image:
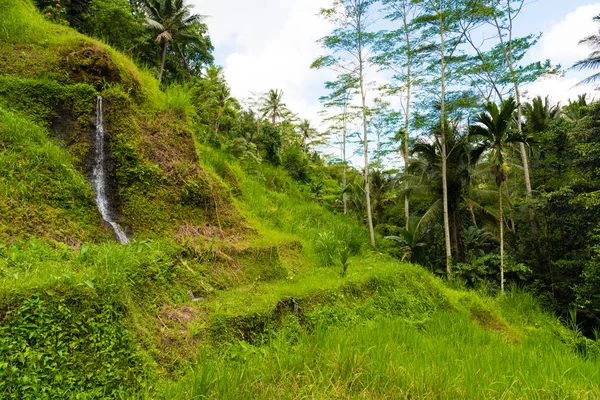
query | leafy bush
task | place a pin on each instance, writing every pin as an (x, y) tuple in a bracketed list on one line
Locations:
[(270, 144), (296, 163), (487, 269), (57, 344)]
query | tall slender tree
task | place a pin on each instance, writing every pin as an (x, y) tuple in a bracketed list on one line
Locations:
[(502, 17), (441, 19), (494, 127), (349, 45), (342, 91), (384, 123), (397, 52)]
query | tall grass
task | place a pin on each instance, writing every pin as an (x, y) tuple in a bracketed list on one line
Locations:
[(22, 22), (178, 99), (273, 200), (451, 358)]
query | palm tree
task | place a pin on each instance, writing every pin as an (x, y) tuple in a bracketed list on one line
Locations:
[(593, 60), (225, 104), (307, 132), (412, 239), (540, 114), (272, 105), (576, 111), (382, 184), (495, 128), (425, 166), (174, 22)]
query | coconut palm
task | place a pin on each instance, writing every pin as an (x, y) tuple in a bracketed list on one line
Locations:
[(593, 60), (577, 111), (174, 22), (540, 114), (225, 104), (307, 132), (425, 173), (272, 105), (494, 127)]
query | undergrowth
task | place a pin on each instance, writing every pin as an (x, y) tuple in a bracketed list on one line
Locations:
[(450, 357)]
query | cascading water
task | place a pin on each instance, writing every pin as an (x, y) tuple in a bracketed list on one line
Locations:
[(99, 180)]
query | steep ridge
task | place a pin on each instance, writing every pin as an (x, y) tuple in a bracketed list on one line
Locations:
[(153, 170), (223, 291)]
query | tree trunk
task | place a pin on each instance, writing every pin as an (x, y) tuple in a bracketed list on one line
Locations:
[(407, 115), (344, 197), (509, 60), (444, 156), (185, 63), (365, 141), (366, 151), (511, 216), (470, 205), (162, 63), (501, 240), (525, 161)]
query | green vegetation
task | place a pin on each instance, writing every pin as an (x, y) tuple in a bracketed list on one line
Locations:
[(387, 357), (43, 193), (259, 267)]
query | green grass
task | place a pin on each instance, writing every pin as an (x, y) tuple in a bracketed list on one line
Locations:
[(388, 330), (22, 23), (74, 321), (272, 202), (41, 192), (449, 358)]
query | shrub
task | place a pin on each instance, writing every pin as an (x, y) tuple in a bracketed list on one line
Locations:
[(327, 247), (296, 163)]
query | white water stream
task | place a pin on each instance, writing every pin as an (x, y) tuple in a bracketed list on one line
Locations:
[(99, 179)]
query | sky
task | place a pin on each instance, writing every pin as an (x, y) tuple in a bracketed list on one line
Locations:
[(270, 44)]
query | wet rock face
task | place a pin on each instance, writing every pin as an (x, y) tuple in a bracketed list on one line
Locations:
[(92, 65)]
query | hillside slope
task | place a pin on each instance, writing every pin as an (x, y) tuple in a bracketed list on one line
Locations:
[(158, 183), (231, 287)]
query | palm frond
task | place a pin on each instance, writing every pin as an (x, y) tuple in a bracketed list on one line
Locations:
[(152, 24)]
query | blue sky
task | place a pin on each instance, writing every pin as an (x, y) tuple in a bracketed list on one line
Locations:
[(542, 14), (265, 44)]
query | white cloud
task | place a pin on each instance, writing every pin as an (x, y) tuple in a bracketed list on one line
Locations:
[(270, 45), (560, 43), (559, 89)]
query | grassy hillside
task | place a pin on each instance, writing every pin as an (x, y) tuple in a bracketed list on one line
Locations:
[(231, 287)]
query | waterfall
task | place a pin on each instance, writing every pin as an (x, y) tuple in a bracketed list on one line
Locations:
[(99, 179)]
